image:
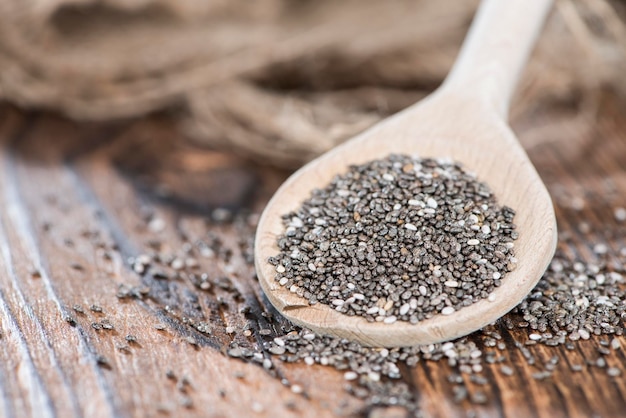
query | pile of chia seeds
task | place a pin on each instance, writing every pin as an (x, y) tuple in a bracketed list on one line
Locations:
[(400, 238)]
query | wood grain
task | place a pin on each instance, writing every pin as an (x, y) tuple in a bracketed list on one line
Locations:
[(76, 202)]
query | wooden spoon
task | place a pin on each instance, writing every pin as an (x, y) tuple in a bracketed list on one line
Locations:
[(465, 119)]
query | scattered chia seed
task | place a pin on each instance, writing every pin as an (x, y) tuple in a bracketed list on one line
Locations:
[(124, 348), (576, 304), (102, 361), (186, 402), (69, 319), (620, 214), (613, 371), (399, 238), (95, 308), (576, 367), (459, 393), (576, 300), (478, 397), (506, 370)]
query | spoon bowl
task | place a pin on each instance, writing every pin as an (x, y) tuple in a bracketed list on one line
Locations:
[(467, 125)]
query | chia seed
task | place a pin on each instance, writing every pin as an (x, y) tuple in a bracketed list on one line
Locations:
[(411, 237), (578, 305)]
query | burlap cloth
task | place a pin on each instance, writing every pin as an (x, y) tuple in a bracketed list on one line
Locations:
[(280, 80)]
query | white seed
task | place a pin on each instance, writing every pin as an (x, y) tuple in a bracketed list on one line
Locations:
[(372, 311), (615, 344), (296, 222), (535, 337), (430, 202), (613, 371), (447, 346), (283, 281), (373, 376), (448, 310), (451, 283), (497, 275), (491, 297), (475, 353), (451, 353), (350, 375), (485, 229), (410, 227), (388, 177), (156, 225), (338, 302), (280, 268), (309, 361), (473, 241), (390, 320), (257, 407), (413, 202), (144, 259), (600, 249), (297, 389), (312, 267), (404, 309), (279, 341)]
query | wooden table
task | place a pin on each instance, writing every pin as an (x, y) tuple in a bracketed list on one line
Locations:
[(79, 200)]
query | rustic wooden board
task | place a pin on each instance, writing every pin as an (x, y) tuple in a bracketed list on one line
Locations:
[(77, 201)]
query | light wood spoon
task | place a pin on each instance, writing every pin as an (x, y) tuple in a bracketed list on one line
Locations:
[(466, 120)]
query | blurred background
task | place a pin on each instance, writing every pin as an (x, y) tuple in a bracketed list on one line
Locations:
[(283, 80)]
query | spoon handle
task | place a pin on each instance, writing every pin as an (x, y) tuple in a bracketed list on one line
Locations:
[(495, 50)]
